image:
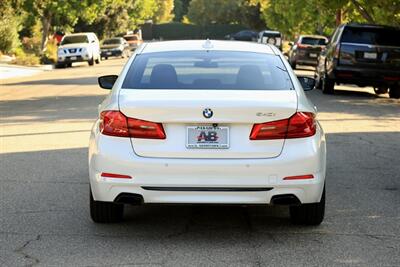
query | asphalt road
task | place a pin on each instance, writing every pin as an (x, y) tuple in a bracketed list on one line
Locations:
[(44, 213)]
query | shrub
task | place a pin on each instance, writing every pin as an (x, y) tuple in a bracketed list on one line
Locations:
[(22, 58), (8, 30), (50, 55)]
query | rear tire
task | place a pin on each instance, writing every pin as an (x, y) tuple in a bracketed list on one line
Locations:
[(60, 65), (380, 90), (309, 214), (105, 212), (318, 83), (91, 61), (328, 86), (98, 60), (293, 64), (394, 92)]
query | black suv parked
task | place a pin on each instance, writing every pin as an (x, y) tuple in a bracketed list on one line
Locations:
[(364, 55)]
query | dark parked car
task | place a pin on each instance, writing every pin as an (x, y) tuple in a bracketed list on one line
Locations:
[(245, 35), (115, 47), (306, 50), (364, 55), (270, 37)]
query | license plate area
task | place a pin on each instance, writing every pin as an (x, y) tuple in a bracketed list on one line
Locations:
[(73, 58), (313, 55), (207, 137), (368, 55)]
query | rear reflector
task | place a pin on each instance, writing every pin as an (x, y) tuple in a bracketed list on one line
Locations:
[(301, 124), (388, 78), (299, 177), (114, 175), (115, 123), (344, 75)]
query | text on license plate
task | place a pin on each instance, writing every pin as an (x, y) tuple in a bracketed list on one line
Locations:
[(207, 137), (370, 55)]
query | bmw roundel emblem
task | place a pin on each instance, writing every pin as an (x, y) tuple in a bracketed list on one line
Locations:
[(208, 113)]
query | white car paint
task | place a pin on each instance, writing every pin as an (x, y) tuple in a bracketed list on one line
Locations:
[(246, 164)]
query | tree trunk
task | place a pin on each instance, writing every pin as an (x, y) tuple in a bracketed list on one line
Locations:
[(338, 17), (363, 12), (46, 23)]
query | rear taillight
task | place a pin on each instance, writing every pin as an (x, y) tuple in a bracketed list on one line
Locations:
[(389, 78), (269, 130), (145, 129), (336, 53), (115, 123), (301, 124), (299, 45)]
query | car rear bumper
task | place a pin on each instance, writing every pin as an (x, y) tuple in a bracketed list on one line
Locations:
[(303, 58), (365, 77), (216, 181), (115, 53), (71, 59)]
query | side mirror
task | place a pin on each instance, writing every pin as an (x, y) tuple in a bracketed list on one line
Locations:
[(107, 82), (306, 82)]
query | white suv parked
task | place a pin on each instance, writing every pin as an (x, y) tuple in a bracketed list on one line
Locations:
[(78, 47)]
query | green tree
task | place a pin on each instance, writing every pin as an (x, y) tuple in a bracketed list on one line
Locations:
[(322, 16), (245, 12), (9, 25), (63, 13), (163, 11), (180, 9)]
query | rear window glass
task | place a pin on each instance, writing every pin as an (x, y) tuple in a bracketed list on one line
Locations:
[(375, 36), (268, 34), (207, 70), (112, 41), (75, 39), (312, 41), (131, 38)]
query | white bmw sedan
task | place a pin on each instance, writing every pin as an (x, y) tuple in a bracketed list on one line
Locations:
[(216, 122)]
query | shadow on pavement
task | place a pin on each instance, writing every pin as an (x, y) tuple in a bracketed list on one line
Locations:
[(355, 102), (54, 108), (64, 81)]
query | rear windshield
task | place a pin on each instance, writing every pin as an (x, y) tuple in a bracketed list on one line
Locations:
[(112, 41), (269, 34), (131, 38), (75, 39), (313, 41), (375, 36), (207, 70)]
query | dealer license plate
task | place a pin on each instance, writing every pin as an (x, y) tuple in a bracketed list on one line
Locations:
[(207, 137), (369, 55)]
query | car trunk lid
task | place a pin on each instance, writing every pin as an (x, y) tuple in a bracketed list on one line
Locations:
[(181, 110)]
